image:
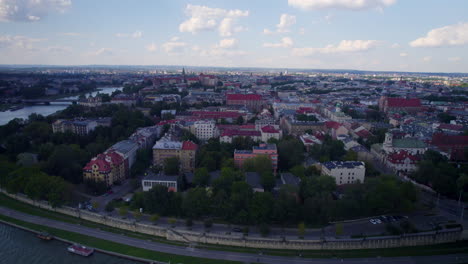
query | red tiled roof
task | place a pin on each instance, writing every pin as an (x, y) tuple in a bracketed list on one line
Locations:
[(269, 129), (363, 133), (240, 133), (402, 102), (399, 157), (440, 139), (216, 115), (332, 124), (189, 145), (115, 157), (247, 97), (451, 127), (100, 161)]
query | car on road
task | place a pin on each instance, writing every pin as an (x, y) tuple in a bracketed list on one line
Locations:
[(373, 221)]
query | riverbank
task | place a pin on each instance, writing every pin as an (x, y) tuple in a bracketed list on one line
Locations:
[(442, 249)]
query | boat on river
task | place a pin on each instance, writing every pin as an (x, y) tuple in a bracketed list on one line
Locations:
[(80, 250)]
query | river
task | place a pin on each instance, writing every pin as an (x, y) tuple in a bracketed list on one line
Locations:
[(19, 246), (46, 110)]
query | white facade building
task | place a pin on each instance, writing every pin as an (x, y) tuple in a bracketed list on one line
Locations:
[(205, 129), (345, 172)]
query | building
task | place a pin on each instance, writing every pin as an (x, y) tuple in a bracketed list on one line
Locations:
[(411, 145), (91, 101), (345, 172), (128, 149), (269, 132), (393, 104), (125, 99), (291, 126), (205, 129), (78, 126), (402, 161), (167, 148), (229, 134), (159, 179), (253, 179), (455, 146), (240, 156), (108, 167), (253, 102), (335, 114)]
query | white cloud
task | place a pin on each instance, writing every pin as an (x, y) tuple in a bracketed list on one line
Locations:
[(135, 35), (19, 42), (70, 34), (403, 54), (427, 59), (340, 4), (59, 49), (395, 46), (174, 46), (103, 52), (302, 31), (203, 18), (266, 31), (286, 21), (218, 52), (30, 10), (345, 46), (286, 42), (452, 35), (228, 43), (151, 47), (454, 59)]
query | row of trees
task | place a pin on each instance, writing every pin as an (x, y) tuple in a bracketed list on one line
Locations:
[(65, 154), (231, 199), (36, 184), (435, 170)]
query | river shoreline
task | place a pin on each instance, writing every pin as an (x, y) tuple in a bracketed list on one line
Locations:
[(111, 253)]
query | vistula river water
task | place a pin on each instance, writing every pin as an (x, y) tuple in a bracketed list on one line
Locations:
[(21, 247), (46, 110)]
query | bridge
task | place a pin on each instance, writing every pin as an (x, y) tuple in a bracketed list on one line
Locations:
[(48, 101)]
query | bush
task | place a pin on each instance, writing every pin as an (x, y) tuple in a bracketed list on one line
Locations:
[(393, 230), (154, 218), (208, 223), (245, 230), (172, 221), (264, 230), (109, 207)]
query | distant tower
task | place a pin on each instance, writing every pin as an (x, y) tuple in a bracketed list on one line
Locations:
[(388, 143), (183, 75)]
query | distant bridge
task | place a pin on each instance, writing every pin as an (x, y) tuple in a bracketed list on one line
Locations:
[(48, 101)]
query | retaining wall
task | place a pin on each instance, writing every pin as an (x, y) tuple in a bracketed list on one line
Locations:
[(419, 239)]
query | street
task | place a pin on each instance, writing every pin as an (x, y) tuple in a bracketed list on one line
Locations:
[(222, 255)]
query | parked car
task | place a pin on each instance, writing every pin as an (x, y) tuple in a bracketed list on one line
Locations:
[(373, 221), (236, 229)]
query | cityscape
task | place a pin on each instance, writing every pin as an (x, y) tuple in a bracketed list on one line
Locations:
[(228, 132)]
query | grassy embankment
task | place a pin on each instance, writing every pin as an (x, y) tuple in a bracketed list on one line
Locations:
[(443, 249)]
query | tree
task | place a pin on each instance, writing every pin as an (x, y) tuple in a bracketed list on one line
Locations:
[(261, 207), (260, 164), (201, 177), (291, 153), (240, 120), (171, 166), (351, 156), (67, 161), (195, 203), (137, 214), (123, 211), (154, 218), (172, 222), (268, 181), (301, 229)]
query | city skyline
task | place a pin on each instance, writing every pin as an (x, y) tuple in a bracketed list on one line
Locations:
[(383, 35)]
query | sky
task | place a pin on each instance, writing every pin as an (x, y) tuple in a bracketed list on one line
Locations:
[(381, 35)]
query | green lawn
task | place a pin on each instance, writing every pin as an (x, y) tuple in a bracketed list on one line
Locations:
[(112, 246)]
